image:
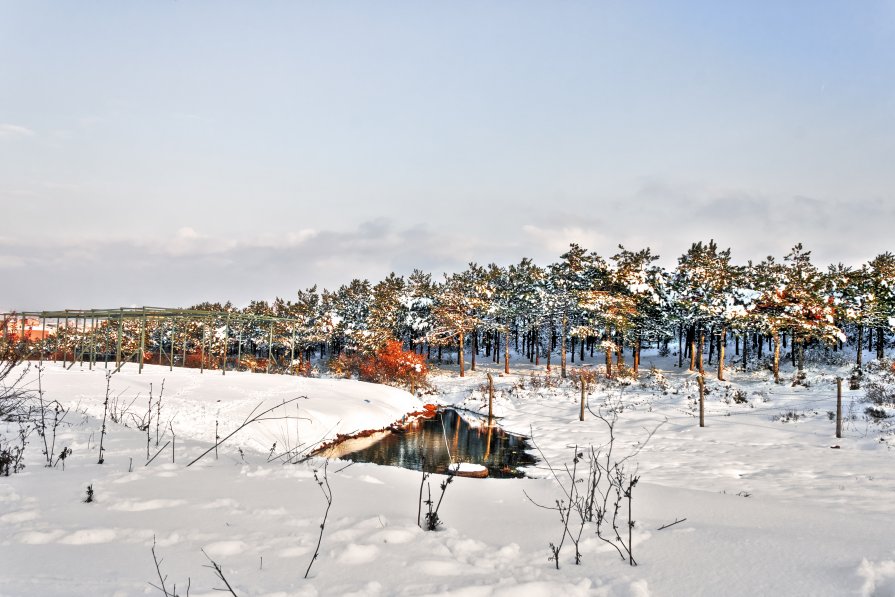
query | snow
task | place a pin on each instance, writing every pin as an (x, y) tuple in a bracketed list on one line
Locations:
[(770, 506), (466, 467)]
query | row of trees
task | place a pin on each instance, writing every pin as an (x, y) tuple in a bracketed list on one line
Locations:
[(582, 302)]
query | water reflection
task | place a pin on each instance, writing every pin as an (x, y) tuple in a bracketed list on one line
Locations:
[(428, 440)]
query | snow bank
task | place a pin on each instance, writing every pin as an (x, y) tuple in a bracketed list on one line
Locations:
[(192, 402)]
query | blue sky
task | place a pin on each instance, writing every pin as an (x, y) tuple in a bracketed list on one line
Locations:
[(170, 152)]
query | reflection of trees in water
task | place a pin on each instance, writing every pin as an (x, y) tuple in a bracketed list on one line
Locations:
[(485, 445)]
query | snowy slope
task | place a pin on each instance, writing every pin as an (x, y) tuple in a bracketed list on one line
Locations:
[(770, 507)]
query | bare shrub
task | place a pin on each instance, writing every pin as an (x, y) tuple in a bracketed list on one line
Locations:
[(596, 490)]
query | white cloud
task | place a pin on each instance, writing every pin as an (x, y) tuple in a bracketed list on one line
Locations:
[(11, 262), (14, 130), (556, 239)]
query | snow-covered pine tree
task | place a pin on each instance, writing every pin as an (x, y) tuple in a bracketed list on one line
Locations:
[(387, 311), (882, 285), (455, 309), (704, 280), (418, 298), (637, 277)]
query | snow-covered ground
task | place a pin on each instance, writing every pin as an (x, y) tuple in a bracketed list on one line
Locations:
[(770, 506)]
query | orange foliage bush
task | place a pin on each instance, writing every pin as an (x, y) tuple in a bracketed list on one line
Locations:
[(390, 365)]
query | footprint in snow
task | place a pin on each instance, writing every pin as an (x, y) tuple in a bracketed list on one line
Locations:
[(19, 516), (220, 503), (442, 568), (226, 548), (39, 537), (370, 479), (358, 554), (90, 537), (293, 552), (142, 506), (396, 536)]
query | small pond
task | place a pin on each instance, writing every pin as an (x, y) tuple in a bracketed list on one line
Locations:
[(424, 442)]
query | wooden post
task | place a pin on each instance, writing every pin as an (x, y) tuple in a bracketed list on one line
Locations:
[(120, 331), (92, 340), (838, 407), (583, 387), (226, 346), (43, 339), (269, 347), (209, 349), (173, 335), (292, 352), (142, 340), (490, 400), (202, 348), (65, 348), (239, 347), (82, 339), (106, 344), (701, 400)]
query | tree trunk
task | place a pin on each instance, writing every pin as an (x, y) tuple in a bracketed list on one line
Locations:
[(745, 351), (860, 345), (637, 354), (880, 343), (691, 338), (619, 351), (537, 347), (792, 354), (562, 350), (776, 357), (699, 349), (711, 344), (460, 357), (608, 362), (475, 348), (680, 346), (506, 353), (800, 345), (722, 345)]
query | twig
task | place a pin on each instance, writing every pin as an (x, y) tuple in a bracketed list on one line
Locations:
[(157, 453), (665, 526), (251, 418), (328, 496), (220, 574)]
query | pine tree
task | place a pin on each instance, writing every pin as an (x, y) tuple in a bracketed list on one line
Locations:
[(704, 280), (882, 286)]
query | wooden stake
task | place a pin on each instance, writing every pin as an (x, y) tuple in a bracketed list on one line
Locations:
[(583, 386), (120, 331), (701, 400), (490, 399), (269, 348), (838, 407), (142, 340)]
